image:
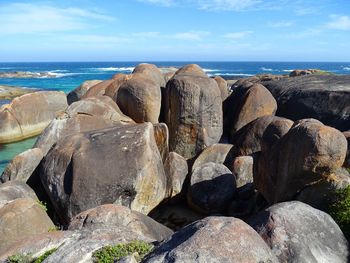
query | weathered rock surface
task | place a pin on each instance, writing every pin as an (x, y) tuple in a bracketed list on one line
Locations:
[(150, 71), (120, 165), (161, 135), (80, 91), (114, 216), (216, 153), (242, 169), (296, 232), (112, 90), (303, 72), (323, 97), (246, 103), (13, 190), (11, 92), (213, 239), (22, 166), (140, 99), (249, 139), (176, 170), (28, 115), (98, 89), (223, 87), (212, 188), (193, 111), (20, 219), (302, 157), (347, 159), (82, 116)]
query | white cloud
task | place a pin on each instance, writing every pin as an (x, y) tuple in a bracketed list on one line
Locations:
[(23, 18), (339, 22), (159, 2), (191, 35), (235, 5), (237, 35)]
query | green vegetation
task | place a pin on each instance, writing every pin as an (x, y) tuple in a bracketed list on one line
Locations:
[(340, 210), (42, 204), (54, 229), (45, 255), (114, 253), (22, 258)]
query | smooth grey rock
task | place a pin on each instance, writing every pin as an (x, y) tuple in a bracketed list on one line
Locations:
[(13, 190)]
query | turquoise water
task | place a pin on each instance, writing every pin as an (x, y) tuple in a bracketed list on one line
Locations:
[(8, 151), (69, 75)]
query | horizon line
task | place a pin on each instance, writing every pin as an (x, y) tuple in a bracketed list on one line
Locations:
[(185, 61)]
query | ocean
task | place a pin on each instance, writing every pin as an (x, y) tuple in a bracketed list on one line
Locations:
[(69, 75)]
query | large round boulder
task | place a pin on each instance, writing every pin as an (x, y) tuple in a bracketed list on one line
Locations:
[(223, 87), (212, 188), (176, 170), (120, 165), (193, 111), (98, 90), (296, 232), (115, 216), (150, 71), (245, 104), (305, 155), (213, 239), (322, 97), (20, 219), (80, 91), (13, 190), (28, 115), (140, 98)]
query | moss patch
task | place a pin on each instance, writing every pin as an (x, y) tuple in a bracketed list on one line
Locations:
[(114, 253), (22, 258)]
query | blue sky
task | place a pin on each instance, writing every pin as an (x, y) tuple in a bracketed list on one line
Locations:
[(182, 30)]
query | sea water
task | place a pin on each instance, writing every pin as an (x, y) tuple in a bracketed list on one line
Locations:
[(69, 75)]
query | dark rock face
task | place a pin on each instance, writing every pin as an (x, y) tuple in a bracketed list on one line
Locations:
[(80, 91), (13, 190), (323, 97), (249, 139), (246, 103), (212, 188), (307, 153), (193, 111), (114, 216), (140, 98), (213, 239), (347, 159), (22, 166), (296, 232), (20, 219), (120, 165), (20, 120)]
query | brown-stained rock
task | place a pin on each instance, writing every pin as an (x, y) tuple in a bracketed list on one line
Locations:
[(28, 115), (242, 169), (80, 91), (193, 111), (120, 165), (223, 87), (213, 239), (212, 188), (176, 170), (140, 99), (112, 90), (22, 166), (216, 153), (21, 218), (304, 156), (151, 72), (12, 190), (161, 135), (245, 104), (112, 216), (98, 89), (249, 139), (296, 232)]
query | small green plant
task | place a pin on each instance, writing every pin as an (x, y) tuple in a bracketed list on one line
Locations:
[(45, 255), (19, 258), (112, 254), (54, 229), (42, 204), (340, 210)]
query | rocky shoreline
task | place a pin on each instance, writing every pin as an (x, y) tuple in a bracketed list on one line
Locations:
[(199, 169), (11, 92), (27, 74)]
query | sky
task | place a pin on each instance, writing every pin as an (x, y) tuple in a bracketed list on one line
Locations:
[(175, 30)]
